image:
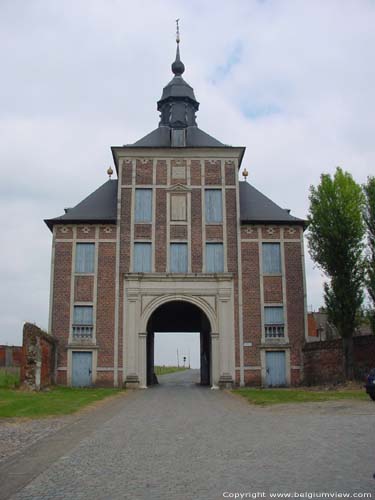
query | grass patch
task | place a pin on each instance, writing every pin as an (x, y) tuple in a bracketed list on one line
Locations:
[(162, 370), (285, 396), (57, 401), (9, 378)]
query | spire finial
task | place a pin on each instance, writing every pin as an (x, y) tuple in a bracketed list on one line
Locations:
[(177, 31), (178, 66), (245, 173), (110, 172)]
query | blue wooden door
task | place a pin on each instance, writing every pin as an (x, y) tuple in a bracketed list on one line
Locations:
[(82, 369), (275, 368)]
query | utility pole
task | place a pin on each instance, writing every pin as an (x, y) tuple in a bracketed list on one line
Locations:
[(178, 360)]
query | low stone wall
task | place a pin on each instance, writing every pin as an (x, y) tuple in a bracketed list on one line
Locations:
[(39, 351), (324, 361)]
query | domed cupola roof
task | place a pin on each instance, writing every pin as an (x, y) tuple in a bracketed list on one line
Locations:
[(178, 104)]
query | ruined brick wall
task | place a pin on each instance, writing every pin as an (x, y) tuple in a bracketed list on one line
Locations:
[(39, 355), (324, 361)]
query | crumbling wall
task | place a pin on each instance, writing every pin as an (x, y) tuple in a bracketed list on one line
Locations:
[(39, 353)]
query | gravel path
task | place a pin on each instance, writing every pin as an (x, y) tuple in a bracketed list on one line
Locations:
[(18, 434), (181, 441)]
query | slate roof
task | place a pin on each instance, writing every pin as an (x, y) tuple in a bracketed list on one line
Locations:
[(101, 205), (161, 138), (256, 207)]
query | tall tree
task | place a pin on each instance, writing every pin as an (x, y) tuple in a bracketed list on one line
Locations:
[(336, 241), (369, 216)]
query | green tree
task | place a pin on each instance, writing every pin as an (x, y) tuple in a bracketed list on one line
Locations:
[(336, 242), (369, 216)]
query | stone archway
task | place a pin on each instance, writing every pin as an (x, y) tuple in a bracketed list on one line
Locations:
[(211, 294), (180, 316)]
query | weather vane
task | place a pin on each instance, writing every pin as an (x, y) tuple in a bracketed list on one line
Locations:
[(177, 31)]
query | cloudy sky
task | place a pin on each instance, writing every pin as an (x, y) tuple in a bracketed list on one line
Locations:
[(293, 81)]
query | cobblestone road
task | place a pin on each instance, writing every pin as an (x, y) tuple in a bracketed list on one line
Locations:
[(182, 441)]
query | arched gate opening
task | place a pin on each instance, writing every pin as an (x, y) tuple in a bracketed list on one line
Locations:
[(180, 316)]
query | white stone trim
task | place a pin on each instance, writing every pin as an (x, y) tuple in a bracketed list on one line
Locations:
[(261, 284), (249, 368), (95, 287), (132, 218), (239, 280), (52, 280), (142, 361), (153, 228), (88, 240), (304, 288), (203, 214), (224, 216), (168, 231), (117, 281), (188, 217), (213, 154), (172, 187), (283, 281), (72, 284)]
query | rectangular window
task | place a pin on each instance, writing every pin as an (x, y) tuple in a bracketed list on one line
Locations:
[(142, 258), (214, 208), (214, 258), (271, 258), (85, 257), (274, 322), (83, 322), (143, 205), (178, 258)]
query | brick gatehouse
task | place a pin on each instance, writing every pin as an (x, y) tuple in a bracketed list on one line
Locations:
[(178, 243)]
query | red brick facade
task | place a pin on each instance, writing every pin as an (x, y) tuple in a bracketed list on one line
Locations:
[(104, 291)]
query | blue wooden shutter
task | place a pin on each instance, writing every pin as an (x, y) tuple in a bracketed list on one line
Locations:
[(142, 258), (143, 205), (85, 257), (83, 315), (271, 258), (214, 209), (214, 258), (273, 316), (178, 258)]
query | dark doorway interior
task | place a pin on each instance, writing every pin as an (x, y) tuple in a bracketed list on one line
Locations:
[(179, 316)]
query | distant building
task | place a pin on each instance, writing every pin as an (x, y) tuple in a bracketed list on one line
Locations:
[(177, 243), (319, 328)]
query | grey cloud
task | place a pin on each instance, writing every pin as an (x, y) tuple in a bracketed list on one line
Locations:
[(78, 77)]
